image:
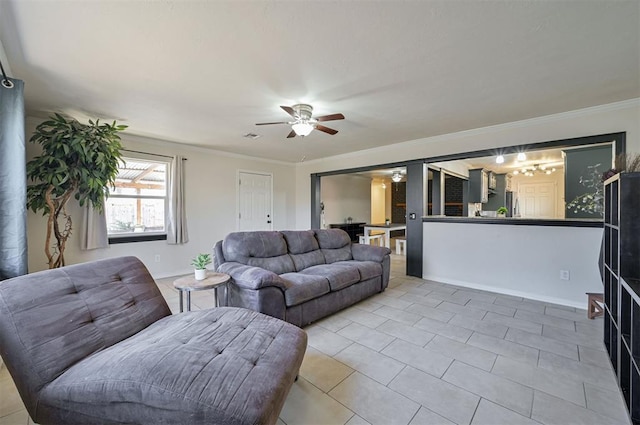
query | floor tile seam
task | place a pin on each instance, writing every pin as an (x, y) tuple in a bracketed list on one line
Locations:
[(403, 310), (18, 408), (501, 314), (331, 330), (415, 367), (617, 391), (474, 330), (607, 367), (554, 328), (515, 328), (377, 352), (332, 398), (540, 321), (573, 381), (341, 381), (577, 405), (512, 342), (397, 337), (333, 356), (493, 401), (571, 374), (564, 318), (539, 348), (472, 317), (476, 408)]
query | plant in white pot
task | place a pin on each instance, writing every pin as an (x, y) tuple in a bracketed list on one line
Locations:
[(502, 212), (200, 264)]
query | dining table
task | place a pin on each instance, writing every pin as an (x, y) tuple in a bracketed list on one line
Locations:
[(386, 228)]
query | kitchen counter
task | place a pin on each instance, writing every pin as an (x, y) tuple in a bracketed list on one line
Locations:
[(514, 221)]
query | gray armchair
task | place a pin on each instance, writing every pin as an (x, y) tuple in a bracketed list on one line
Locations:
[(96, 343)]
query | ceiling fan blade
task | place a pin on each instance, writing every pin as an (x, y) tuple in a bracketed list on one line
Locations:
[(289, 110), (327, 130), (270, 123), (331, 117), (292, 134)]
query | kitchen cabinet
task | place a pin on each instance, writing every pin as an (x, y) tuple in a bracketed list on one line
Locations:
[(498, 198), (621, 279), (478, 185)]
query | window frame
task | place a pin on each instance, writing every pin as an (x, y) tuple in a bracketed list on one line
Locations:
[(130, 237)]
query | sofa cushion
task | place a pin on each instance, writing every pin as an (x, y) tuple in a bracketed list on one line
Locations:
[(335, 245), (367, 269), (301, 287), (339, 275), (264, 249), (303, 248), (220, 365)]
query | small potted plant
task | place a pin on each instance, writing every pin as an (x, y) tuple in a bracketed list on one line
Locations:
[(502, 212), (387, 221), (200, 265)]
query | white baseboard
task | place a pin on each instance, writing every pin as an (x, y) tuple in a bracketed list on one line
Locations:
[(529, 295)]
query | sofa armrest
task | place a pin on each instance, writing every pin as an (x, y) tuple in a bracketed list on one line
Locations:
[(250, 277), (361, 252)]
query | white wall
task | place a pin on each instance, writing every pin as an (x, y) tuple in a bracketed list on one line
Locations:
[(611, 118), (211, 207), (345, 196), (518, 260)]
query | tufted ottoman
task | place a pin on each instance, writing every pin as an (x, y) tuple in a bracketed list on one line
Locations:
[(96, 343)]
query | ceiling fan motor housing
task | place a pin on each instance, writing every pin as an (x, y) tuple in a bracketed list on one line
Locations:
[(303, 111)]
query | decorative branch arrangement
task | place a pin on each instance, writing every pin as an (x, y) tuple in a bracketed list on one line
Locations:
[(77, 160)]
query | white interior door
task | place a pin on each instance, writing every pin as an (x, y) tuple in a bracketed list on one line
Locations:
[(537, 200), (254, 201)]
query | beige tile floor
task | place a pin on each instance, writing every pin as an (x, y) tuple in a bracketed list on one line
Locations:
[(429, 353)]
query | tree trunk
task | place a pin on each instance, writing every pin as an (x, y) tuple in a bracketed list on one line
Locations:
[(56, 207)]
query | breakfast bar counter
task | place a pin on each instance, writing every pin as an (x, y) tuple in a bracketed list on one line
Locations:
[(517, 221)]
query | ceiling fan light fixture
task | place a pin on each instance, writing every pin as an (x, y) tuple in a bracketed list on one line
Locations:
[(302, 128)]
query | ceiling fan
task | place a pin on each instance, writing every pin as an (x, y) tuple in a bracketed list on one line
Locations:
[(303, 123)]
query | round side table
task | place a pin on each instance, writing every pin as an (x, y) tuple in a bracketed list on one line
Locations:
[(212, 281)]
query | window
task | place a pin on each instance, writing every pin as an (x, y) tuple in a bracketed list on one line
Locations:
[(135, 209)]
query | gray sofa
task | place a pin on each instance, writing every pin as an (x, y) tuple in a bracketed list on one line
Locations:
[(95, 343), (300, 275)]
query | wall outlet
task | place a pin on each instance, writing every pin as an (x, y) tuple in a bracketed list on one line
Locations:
[(564, 275), (156, 258)]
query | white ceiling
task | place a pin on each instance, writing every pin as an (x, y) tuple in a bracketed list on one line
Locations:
[(203, 72)]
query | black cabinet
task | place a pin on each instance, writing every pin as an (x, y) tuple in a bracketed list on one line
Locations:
[(621, 279), (498, 198), (478, 186), (353, 229)]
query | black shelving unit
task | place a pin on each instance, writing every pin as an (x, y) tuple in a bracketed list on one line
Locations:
[(353, 229), (621, 279)]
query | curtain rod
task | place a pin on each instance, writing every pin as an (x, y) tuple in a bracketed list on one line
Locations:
[(148, 153), (5, 81)]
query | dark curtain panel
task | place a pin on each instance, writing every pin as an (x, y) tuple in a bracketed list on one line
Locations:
[(13, 182)]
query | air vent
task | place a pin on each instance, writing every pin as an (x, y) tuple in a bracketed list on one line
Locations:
[(251, 135)]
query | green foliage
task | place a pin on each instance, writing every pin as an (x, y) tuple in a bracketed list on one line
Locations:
[(502, 210), (201, 261), (79, 158)]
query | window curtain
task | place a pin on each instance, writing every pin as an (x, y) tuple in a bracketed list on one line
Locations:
[(177, 226), (13, 178), (93, 232)]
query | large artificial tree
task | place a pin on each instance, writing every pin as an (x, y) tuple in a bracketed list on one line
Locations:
[(79, 160)]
